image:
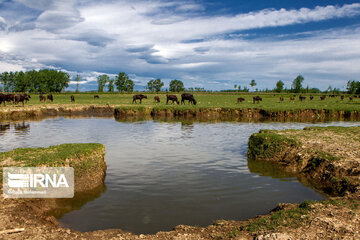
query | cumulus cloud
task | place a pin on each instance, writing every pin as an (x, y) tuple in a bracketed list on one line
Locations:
[(169, 40)]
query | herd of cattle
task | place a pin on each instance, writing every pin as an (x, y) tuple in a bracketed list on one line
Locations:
[(24, 98)]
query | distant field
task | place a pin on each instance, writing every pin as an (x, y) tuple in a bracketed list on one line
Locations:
[(209, 100)]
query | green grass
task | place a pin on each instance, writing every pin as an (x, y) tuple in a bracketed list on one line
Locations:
[(210, 100), (80, 156)]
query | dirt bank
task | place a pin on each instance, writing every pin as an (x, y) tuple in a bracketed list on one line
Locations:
[(182, 112)]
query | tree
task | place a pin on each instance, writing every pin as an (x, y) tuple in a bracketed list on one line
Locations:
[(353, 87), (102, 80), (111, 85), (176, 86), (77, 80), (252, 83), (279, 86), (155, 85), (235, 87), (124, 83), (297, 84)]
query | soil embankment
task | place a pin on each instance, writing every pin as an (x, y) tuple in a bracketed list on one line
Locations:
[(174, 112)]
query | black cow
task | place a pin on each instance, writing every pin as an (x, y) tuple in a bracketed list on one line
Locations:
[(322, 98), (172, 98), (42, 98), (189, 97), (96, 96), (10, 98), (240, 100), (22, 98), (72, 98), (311, 97), (139, 96), (50, 97), (342, 97), (301, 98), (2, 98), (157, 99), (257, 99)]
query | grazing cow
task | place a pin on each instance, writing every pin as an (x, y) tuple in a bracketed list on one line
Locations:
[(281, 99), (301, 98), (96, 96), (139, 96), (240, 100), (2, 98), (22, 98), (189, 97), (257, 99), (311, 97), (322, 98), (42, 98), (292, 98), (172, 98), (157, 99), (50, 97), (10, 98), (342, 97), (72, 97), (350, 98)]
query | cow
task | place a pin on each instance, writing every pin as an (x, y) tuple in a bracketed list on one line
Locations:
[(72, 97), (42, 98), (22, 98), (342, 97), (281, 99), (10, 98), (311, 97), (50, 97), (350, 98), (292, 98), (139, 96), (96, 96), (257, 99), (172, 98), (189, 97), (157, 99), (240, 100), (301, 98), (322, 98), (2, 98)]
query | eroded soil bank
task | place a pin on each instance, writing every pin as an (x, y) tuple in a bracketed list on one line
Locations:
[(336, 217), (199, 113)]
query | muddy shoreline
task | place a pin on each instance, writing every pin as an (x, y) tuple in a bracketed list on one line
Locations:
[(206, 114)]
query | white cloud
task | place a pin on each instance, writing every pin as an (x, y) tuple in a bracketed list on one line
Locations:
[(161, 38)]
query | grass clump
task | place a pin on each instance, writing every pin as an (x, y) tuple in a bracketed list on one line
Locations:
[(266, 144)]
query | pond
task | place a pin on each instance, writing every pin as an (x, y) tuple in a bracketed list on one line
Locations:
[(162, 174)]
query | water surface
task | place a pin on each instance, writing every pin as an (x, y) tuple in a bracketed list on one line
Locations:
[(162, 174)]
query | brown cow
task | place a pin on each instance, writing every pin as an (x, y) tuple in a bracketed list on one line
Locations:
[(281, 99), (292, 98), (42, 98), (240, 100), (322, 98), (301, 98), (50, 98), (72, 97), (96, 96), (342, 97), (257, 99), (157, 99), (22, 98), (311, 97), (172, 98), (138, 97)]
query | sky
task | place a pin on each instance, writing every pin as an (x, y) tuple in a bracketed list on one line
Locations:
[(208, 44)]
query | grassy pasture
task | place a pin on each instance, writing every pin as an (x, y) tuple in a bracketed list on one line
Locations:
[(208, 100)]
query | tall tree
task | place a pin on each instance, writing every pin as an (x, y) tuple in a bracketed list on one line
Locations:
[(102, 80), (77, 80), (111, 85), (176, 86), (279, 86), (155, 85), (253, 83), (297, 84), (124, 83)]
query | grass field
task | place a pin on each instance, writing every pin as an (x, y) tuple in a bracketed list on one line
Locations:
[(209, 100)]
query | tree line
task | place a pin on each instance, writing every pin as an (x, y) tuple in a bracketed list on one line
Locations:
[(46, 80)]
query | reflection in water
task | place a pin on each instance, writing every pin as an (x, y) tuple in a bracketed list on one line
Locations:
[(22, 128), (162, 174), (4, 128)]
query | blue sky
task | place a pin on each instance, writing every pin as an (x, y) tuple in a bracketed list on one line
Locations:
[(205, 43)]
